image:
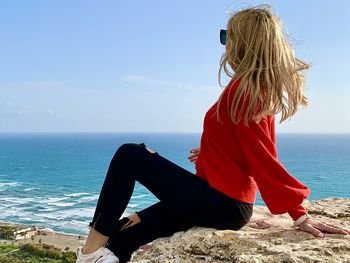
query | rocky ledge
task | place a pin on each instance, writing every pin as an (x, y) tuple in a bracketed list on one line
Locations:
[(266, 238)]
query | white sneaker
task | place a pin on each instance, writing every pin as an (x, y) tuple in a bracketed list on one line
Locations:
[(101, 255)]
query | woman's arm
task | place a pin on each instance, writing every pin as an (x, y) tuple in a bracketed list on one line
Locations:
[(280, 191)]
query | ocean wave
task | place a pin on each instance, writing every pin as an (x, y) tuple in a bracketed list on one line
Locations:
[(70, 219), (88, 198), (2, 184), (10, 201), (69, 214), (31, 188), (55, 199), (33, 201), (133, 205), (139, 196), (62, 204), (76, 194), (48, 209)]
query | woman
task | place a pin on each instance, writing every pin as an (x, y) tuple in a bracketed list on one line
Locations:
[(237, 154)]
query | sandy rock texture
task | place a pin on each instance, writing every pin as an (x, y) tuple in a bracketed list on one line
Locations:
[(266, 238)]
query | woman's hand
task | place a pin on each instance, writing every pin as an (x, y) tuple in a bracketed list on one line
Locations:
[(193, 155), (317, 228)]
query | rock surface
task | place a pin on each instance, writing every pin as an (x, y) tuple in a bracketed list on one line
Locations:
[(266, 238)]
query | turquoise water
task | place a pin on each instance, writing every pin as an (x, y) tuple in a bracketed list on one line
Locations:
[(53, 180)]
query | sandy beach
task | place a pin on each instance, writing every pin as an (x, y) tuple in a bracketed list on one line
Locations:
[(48, 236)]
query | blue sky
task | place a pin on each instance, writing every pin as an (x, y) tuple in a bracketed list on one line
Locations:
[(145, 66)]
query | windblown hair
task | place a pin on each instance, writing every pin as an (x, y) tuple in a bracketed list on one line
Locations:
[(262, 59)]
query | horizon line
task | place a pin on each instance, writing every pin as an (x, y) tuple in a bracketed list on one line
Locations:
[(134, 132)]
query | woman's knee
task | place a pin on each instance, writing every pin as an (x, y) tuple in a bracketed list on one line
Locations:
[(127, 149)]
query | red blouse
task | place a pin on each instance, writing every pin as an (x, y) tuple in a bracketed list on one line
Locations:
[(239, 161)]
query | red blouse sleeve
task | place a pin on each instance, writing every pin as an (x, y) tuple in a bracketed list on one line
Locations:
[(280, 191)]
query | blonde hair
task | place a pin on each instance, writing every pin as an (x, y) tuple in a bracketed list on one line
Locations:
[(264, 62)]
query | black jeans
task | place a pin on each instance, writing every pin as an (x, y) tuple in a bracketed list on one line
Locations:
[(186, 200)]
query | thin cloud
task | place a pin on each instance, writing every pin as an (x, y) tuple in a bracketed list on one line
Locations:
[(7, 104), (142, 80), (47, 86), (50, 111)]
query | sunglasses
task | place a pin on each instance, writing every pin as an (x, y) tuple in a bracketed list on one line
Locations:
[(223, 36)]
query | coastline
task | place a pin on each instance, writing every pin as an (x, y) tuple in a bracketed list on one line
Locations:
[(48, 236), (334, 210)]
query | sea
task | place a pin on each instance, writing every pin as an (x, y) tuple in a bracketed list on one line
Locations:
[(53, 180)]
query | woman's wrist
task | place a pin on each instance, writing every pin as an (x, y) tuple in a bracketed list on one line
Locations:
[(297, 212), (301, 219)]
